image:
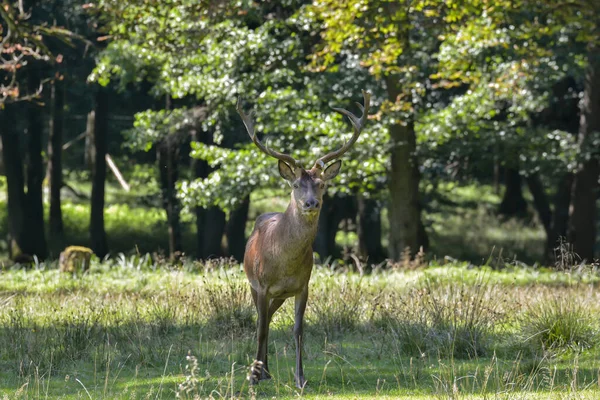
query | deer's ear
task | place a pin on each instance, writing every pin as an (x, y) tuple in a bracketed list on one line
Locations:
[(332, 170), (286, 171)]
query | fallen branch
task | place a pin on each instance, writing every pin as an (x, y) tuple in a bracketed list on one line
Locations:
[(116, 172)]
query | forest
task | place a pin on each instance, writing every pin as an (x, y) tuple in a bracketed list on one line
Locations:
[(474, 181), (140, 98)]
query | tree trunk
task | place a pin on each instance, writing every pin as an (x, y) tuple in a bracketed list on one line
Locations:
[(369, 230), (100, 130), (236, 230), (167, 157), (212, 226), (560, 216), (583, 216), (335, 209), (404, 212), (513, 203), (540, 201), (15, 178), (88, 151), (496, 175), (210, 223), (2, 170), (34, 219), (54, 172), (325, 240)]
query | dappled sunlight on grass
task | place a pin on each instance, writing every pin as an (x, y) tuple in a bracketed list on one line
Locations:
[(131, 329), (463, 224)]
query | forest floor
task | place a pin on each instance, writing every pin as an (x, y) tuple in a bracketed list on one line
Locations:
[(134, 328)]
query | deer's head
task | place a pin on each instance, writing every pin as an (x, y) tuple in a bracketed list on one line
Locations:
[(308, 185)]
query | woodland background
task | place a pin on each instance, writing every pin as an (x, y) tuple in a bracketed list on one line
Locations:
[(483, 141)]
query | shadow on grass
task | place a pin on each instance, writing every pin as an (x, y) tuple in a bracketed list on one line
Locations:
[(141, 359)]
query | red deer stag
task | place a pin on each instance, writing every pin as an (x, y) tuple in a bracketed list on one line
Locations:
[(279, 258)]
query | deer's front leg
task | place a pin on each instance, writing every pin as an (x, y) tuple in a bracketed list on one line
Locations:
[(259, 370), (301, 300)]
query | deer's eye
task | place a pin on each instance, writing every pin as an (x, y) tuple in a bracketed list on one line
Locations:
[(296, 185), (321, 185)]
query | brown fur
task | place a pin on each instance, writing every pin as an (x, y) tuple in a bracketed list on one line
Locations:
[(279, 258)]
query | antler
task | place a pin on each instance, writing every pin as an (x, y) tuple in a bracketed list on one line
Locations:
[(358, 125), (250, 128)]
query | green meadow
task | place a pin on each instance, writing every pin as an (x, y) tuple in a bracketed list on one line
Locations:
[(133, 328)]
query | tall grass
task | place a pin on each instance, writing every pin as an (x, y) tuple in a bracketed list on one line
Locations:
[(134, 329), (457, 319), (560, 322)]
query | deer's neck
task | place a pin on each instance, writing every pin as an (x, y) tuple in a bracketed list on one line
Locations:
[(298, 228)]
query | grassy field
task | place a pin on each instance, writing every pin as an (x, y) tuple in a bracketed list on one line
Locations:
[(134, 328)]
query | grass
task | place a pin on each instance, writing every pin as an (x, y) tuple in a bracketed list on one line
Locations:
[(132, 328)]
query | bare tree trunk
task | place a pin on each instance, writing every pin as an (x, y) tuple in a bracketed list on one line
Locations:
[(55, 163), (583, 218), (167, 157), (540, 201), (15, 178), (236, 230), (100, 123), (335, 209), (369, 230), (513, 203), (496, 175), (2, 169), (560, 216), (404, 211), (34, 219), (210, 222), (213, 232), (88, 152)]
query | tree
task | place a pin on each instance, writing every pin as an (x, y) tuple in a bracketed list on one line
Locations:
[(584, 214), (35, 172), (15, 179), (516, 58), (100, 117), (167, 156), (369, 230), (208, 241), (54, 173), (23, 75), (395, 42), (260, 54)]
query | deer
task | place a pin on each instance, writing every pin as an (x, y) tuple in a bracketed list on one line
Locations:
[(278, 258)]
